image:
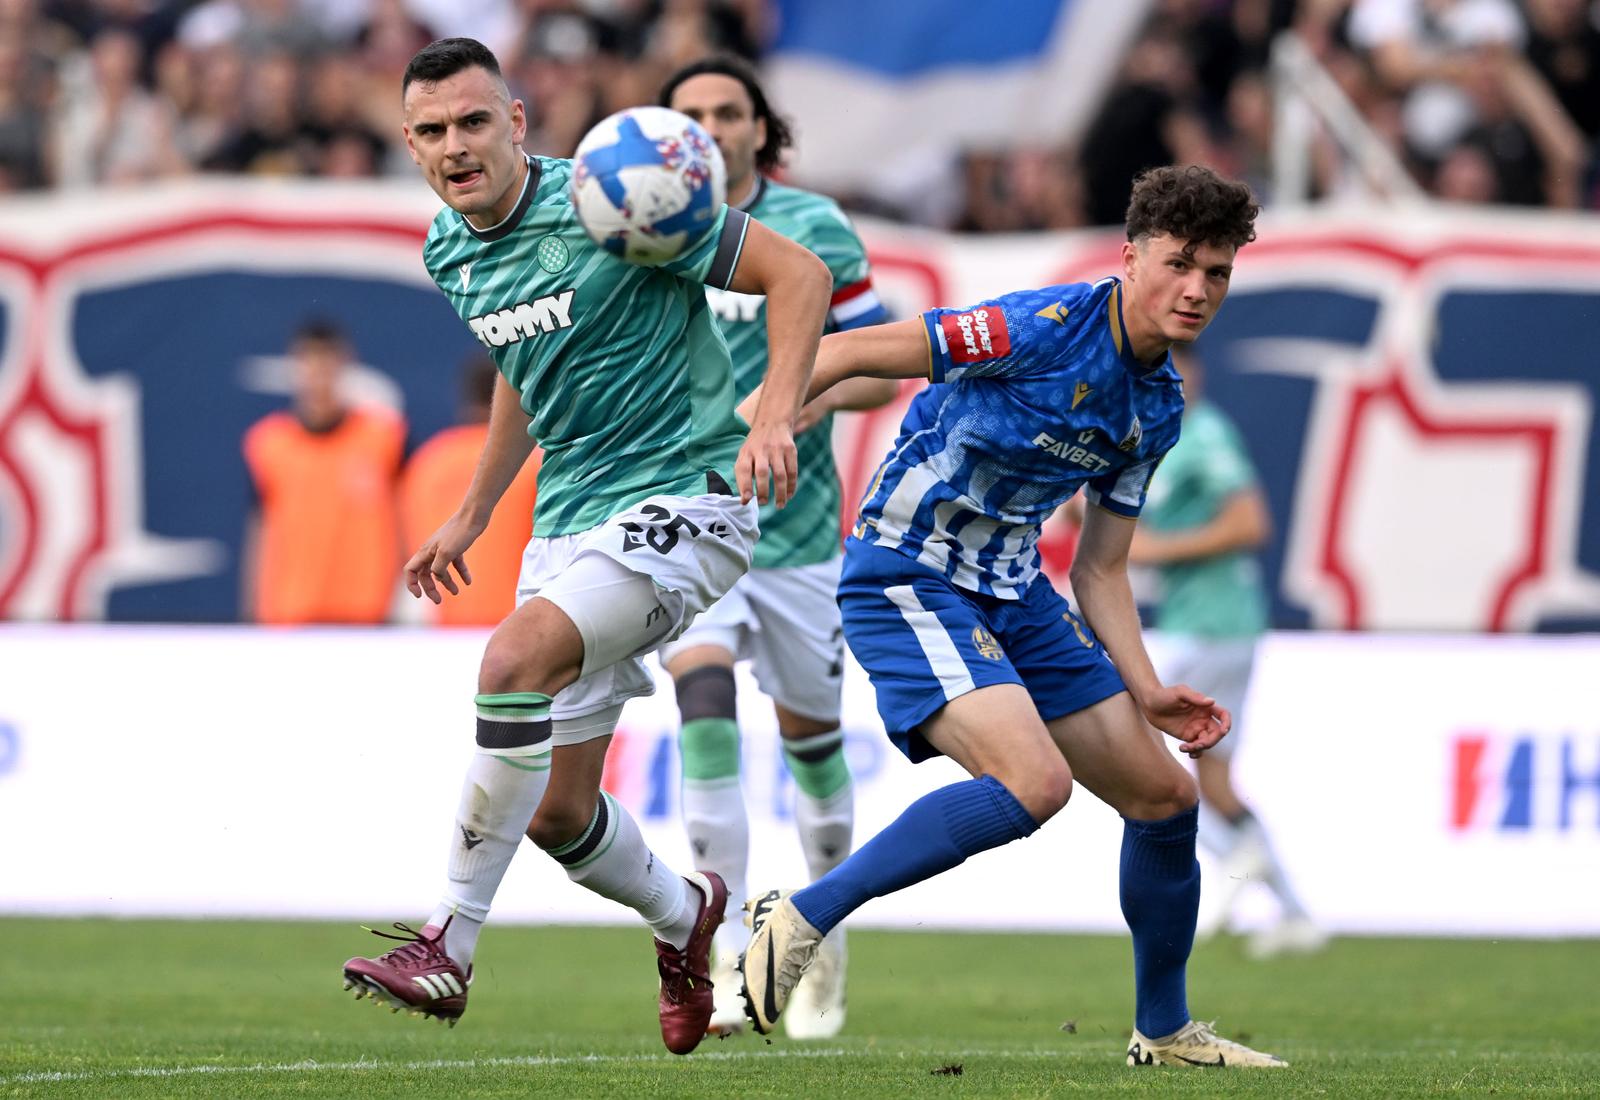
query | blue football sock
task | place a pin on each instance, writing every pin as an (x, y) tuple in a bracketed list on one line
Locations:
[(935, 833), (1160, 900)]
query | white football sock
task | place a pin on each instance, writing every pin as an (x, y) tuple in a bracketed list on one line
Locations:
[(498, 799), (1273, 874), (612, 859), (718, 825), (825, 826)]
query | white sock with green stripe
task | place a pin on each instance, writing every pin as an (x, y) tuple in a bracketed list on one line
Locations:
[(505, 781), (824, 799), (611, 858)]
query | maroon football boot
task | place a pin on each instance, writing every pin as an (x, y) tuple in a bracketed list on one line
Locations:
[(416, 976), (686, 1002)]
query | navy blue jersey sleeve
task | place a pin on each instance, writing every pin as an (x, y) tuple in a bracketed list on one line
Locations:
[(1024, 334), (1123, 491), (712, 259)]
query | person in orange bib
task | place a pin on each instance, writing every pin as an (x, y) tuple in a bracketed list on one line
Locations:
[(324, 474), (432, 487)]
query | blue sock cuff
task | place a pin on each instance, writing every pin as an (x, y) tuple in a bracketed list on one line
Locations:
[(1169, 830), (1164, 847), (1006, 802)]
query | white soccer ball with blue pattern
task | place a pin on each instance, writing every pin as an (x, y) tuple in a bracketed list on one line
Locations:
[(647, 184)]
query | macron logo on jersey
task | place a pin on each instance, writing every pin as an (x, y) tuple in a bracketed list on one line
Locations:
[(523, 322), (976, 335)]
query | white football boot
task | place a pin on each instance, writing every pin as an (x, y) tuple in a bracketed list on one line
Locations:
[(782, 946), (816, 1007), (1195, 1044), (1289, 936)]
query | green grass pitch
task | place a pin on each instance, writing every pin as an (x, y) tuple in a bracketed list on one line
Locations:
[(224, 1008)]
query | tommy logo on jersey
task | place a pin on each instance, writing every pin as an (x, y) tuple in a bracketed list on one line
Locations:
[(524, 321), (976, 335), (732, 306)]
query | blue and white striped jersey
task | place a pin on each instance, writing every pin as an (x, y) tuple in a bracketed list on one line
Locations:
[(1034, 394)]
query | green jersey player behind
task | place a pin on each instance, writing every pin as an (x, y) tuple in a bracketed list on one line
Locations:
[(782, 614), (1204, 522), (621, 375)]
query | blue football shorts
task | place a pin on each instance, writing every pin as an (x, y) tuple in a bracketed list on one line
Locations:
[(924, 642)]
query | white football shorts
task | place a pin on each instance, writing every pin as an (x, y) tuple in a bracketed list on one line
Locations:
[(630, 585), (786, 622), (1220, 667)]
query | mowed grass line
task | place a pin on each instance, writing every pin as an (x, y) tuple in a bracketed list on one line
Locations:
[(229, 1008)]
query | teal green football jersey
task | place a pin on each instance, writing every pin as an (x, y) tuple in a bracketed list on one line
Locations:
[(1221, 596), (806, 530), (620, 366)]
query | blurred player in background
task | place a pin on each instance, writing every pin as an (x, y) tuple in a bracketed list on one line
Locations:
[(433, 485), (1203, 522), (782, 614), (619, 372), (1035, 395), (324, 473)]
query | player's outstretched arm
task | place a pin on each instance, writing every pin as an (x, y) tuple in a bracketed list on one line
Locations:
[(896, 350), (1100, 583), (893, 351), (851, 395), (505, 449), (797, 286)]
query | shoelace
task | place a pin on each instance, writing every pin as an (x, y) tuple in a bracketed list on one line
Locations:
[(676, 977), (415, 946), (1205, 1031)]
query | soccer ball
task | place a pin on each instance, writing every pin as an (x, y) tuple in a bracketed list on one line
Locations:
[(647, 183)]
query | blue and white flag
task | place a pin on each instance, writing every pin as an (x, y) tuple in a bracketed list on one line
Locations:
[(874, 84)]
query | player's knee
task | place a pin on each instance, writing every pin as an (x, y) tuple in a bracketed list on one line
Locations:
[(518, 658), (508, 667), (1043, 787), (503, 669), (707, 692), (1171, 792)]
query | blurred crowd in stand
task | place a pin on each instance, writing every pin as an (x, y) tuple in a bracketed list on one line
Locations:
[(118, 91), (1482, 101)]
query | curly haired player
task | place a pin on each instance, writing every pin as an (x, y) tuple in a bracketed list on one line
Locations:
[(1035, 395)]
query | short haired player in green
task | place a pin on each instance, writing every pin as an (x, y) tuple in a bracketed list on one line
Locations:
[(619, 373)]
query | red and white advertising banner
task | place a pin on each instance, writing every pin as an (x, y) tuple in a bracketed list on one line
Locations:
[(1412, 785), (1417, 389)]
